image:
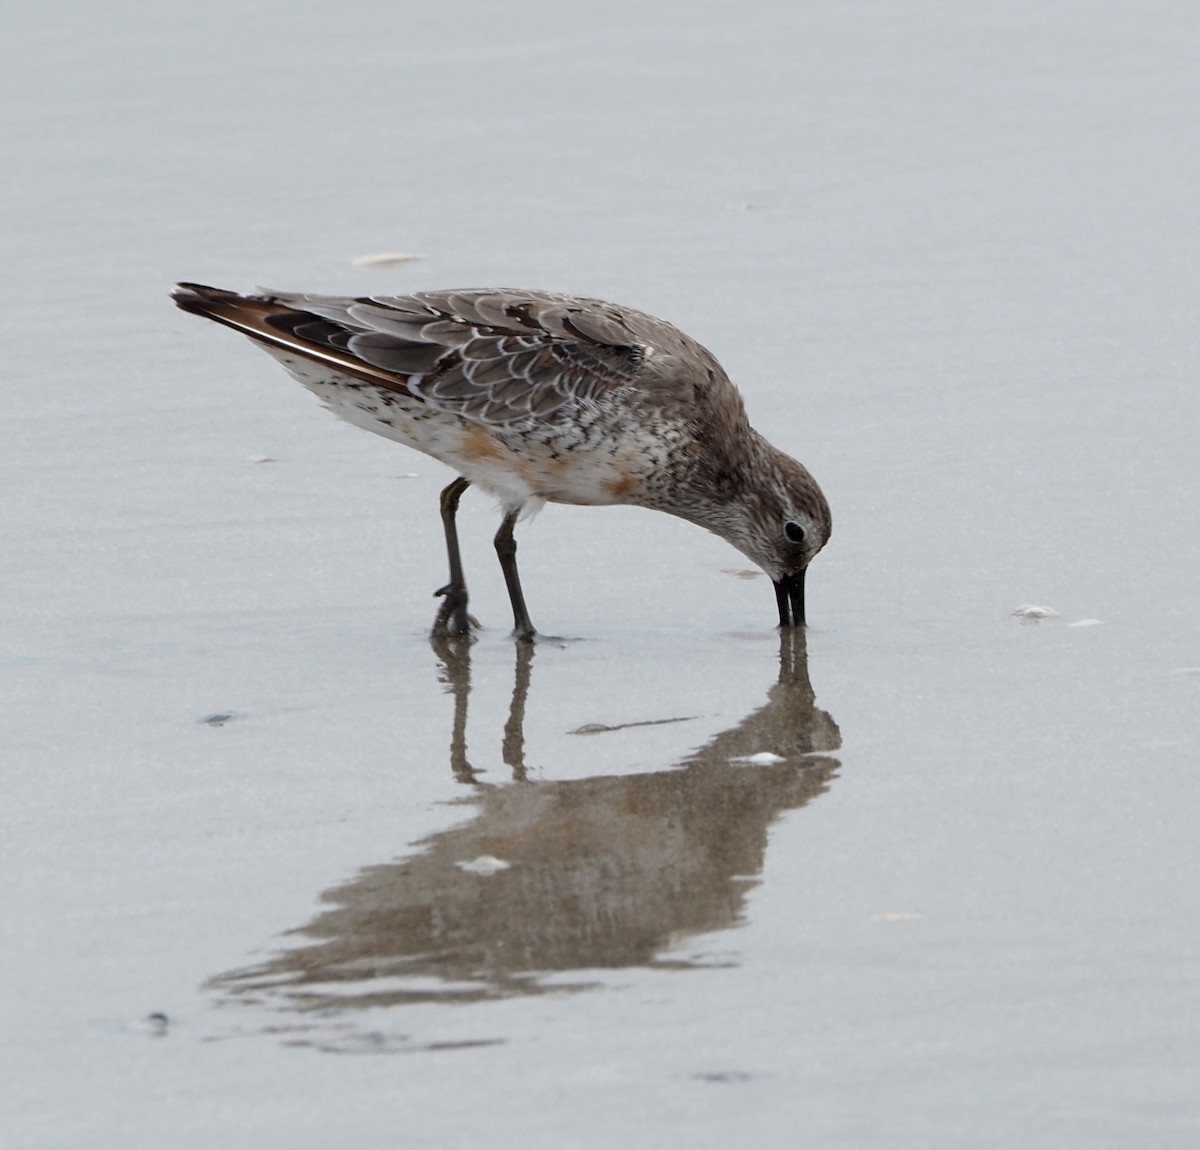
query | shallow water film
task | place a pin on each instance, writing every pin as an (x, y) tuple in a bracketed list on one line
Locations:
[(279, 871)]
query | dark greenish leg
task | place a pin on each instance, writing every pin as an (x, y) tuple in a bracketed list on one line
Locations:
[(452, 618), (506, 548)]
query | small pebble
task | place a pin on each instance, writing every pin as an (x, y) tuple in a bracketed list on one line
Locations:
[(592, 729), (156, 1023), (219, 719)]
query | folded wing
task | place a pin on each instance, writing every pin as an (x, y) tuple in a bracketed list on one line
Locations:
[(501, 357)]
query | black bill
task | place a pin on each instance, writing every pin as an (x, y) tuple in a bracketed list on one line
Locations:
[(789, 594)]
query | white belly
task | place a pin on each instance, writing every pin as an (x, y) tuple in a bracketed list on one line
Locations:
[(521, 470)]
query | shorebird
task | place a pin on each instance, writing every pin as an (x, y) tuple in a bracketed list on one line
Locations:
[(537, 397)]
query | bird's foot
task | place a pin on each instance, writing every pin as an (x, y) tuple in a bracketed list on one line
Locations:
[(452, 617)]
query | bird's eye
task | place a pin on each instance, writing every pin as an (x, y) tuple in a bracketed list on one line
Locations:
[(794, 532)]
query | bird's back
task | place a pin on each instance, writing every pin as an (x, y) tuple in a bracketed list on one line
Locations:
[(533, 395)]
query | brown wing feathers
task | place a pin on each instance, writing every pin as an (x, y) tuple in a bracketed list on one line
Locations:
[(496, 356), (280, 326)]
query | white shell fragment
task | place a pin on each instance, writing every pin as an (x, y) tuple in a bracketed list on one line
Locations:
[(762, 759), (385, 260), (483, 865), (1087, 623), (1031, 612)]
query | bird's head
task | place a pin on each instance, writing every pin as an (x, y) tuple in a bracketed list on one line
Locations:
[(779, 519)]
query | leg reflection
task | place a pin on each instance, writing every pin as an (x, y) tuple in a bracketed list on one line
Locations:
[(454, 655), (514, 729)]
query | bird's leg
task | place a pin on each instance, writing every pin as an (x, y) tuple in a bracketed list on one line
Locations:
[(506, 549), (452, 617)]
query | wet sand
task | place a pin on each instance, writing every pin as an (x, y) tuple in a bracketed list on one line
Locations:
[(925, 877)]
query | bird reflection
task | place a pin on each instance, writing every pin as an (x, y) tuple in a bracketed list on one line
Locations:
[(561, 878)]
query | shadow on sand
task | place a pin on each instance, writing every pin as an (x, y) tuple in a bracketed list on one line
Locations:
[(561, 878)]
